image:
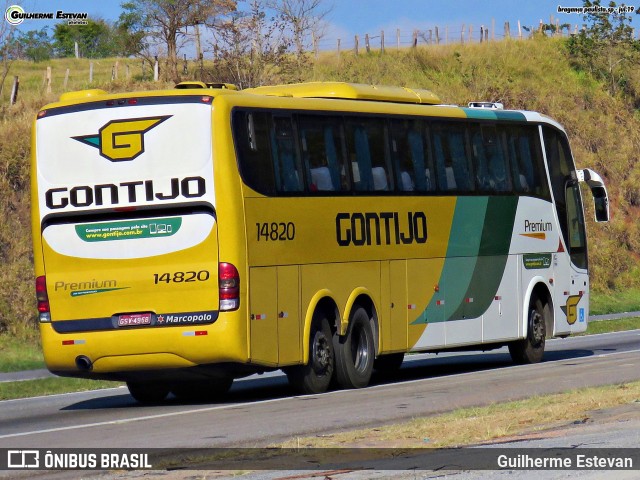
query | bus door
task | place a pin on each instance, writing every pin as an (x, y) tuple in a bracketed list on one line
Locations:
[(570, 261)]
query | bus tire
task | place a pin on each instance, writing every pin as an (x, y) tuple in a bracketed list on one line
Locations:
[(148, 393), (204, 390), (355, 352), (388, 363), (531, 348), (315, 376)]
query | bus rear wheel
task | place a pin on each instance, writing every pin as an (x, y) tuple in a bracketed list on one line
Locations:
[(148, 393), (315, 376), (355, 352), (204, 390), (531, 348)]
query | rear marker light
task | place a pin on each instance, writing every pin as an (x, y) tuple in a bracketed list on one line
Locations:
[(73, 342), (197, 333), (132, 101)]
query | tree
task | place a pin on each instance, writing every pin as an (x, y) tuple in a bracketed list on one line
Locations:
[(606, 48), (35, 45), (166, 22), (95, 40), (252, 49), (8, 48), (306, 18)]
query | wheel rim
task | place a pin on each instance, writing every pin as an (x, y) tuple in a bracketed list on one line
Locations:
[(321, 354), (360, 350), (537, 328)]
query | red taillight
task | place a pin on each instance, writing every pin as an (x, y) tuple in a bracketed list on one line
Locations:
[(229, 287), (43, 298)]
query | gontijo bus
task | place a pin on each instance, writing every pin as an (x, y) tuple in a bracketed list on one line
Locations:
[(187, 237)]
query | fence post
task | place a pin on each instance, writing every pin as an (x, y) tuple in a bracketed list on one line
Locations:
[(481, 33), (470, 37), (117, 67), (381, 41), (66, 79), (90, 72), (338, 48), (430, 37), (366, 42), (77, 51), (486, 35), (156, 70), (519, 31), (437, 36), (507, 30), (462, 34), (14, 90), (48, 79), (414, 43), (357, 39)]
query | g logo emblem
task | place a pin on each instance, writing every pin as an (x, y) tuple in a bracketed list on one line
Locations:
[(122, 140)]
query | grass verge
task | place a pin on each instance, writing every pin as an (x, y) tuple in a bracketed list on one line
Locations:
[(17, 354), (614, 301), (483, 424), (50, 386), (607, 326)]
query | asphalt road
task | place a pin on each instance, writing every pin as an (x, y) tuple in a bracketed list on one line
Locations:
[(261, 410)]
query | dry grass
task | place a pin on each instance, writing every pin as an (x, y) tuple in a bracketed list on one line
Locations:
[(477, 425)]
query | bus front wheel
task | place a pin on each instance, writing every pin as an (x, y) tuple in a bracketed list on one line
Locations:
[(355, 352), (148, 392), (531, 348), (315, 376)]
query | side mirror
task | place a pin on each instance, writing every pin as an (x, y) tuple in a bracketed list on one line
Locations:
[(601, 203), (598, 190)]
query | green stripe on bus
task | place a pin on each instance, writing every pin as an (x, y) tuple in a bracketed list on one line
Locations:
[(481, 113), (491, 114), (473, 270)]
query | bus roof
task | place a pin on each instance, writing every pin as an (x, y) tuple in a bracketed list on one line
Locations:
[(314, 90), (349, 91)]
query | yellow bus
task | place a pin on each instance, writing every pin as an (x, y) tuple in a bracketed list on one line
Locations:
[(184, 238)]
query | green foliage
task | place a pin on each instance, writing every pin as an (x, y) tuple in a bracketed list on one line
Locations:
[(100, 39), (606, 49), (35, 45)]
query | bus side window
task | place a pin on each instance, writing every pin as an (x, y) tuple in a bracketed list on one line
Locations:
[(367, 151), (496, 160), (285, 160), (407, 153), (527, 168), (322, 153), (251, 137), (452, 159)]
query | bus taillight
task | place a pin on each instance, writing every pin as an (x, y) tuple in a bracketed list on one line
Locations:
[(43, 299), (229, 286)]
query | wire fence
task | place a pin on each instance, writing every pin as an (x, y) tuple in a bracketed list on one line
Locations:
[(442, 35)]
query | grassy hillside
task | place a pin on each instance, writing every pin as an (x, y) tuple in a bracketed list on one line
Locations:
[(533, 74)]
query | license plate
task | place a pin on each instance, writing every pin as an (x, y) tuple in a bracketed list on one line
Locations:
[(134, 319)]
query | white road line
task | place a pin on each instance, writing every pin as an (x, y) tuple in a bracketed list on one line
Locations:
[(274, 400)]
